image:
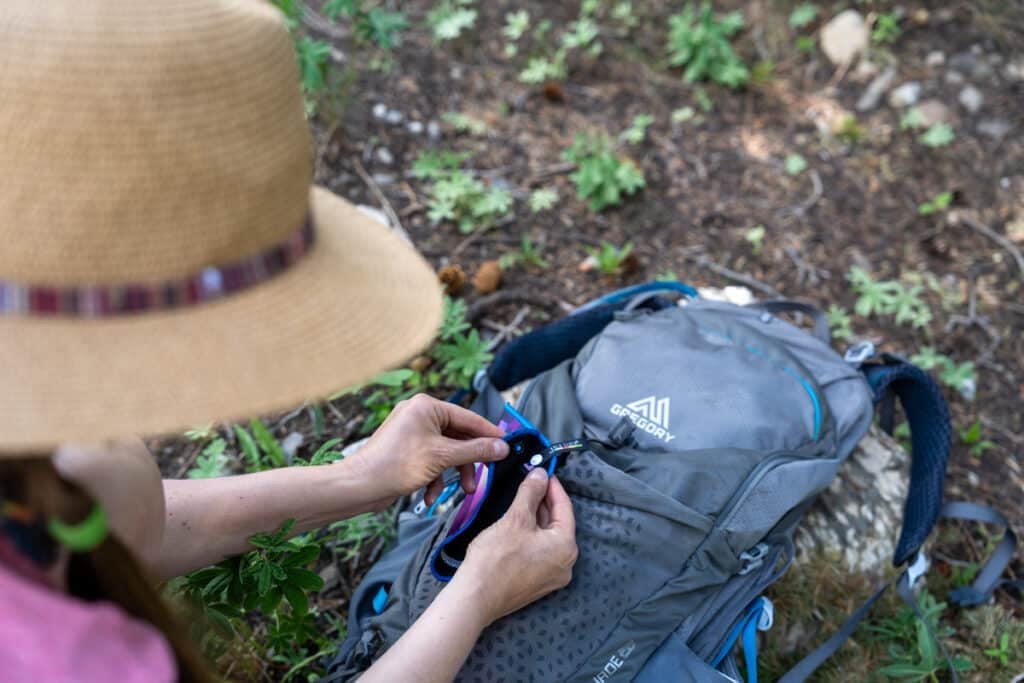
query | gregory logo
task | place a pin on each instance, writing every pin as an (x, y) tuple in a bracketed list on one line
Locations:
[(615, 662), (649, 415)]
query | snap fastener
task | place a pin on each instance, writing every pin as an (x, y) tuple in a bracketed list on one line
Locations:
[(766, 317)]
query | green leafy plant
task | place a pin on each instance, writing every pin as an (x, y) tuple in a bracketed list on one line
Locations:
[(1001, 652), (210, 462), (528, 254), (457, 196), (849, 130), (464, 123), (938, 203), (261, 450), (601, 177), (913, 119), (374, 24), (889, 297), (938, 135), (959, 376), (803, 15), (887, 28), (203, 433), (516, 25), (637, 130), (755, 238), (795, 164), (700, 41), (541, 69), (582, 34), (449, 19), (964, 575), (542, 199), (805, 44), (274, 578), (609, 258), (462, 357), (683, 114), (971, 437), (839, 322), (913, 653)]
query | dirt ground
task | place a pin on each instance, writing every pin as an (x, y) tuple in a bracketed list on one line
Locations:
[(709, 180), (708, 184)]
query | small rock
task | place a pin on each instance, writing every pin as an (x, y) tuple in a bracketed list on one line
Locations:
[(969, 62), (1014, 70), (415, 127), (905, 95), (994, 128), (973, 480), (394, 117), (434, 130), (380, 111), (971, 99), (864, 70), (488, 277), (453, 278), (844, 37), (932, 112), (935, 58), (384, 179), (290, 444), (872, 95), (954, 78), (1015, 229), (385, 156)]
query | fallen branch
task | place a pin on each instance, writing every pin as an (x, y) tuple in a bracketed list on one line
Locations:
[(988, 232), (505, 331), (506, 296), (704, 262)]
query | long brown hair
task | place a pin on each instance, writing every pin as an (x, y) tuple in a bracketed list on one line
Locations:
[(110, 572)]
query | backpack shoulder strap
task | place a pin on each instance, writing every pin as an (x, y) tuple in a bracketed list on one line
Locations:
[(930, 436), (545, 347)]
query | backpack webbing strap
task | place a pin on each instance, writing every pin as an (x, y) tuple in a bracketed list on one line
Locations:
[(777, 306), (905, 588), (930, 435), (989, 578)]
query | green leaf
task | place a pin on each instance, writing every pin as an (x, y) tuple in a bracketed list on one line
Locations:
[(795, 164), (803, 15), (264, 575), (296, 597), (268, 443), (249, 448), (542, 199), (302, 557), (939, 135), (269, 602), (304, 579)]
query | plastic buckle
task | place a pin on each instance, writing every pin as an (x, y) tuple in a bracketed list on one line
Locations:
[(857, 354), (753, 558), (918, 568), (767, 616)]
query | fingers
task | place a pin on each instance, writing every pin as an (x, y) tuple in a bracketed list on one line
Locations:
[(474, 450), (467, 477), (562, 516), (456, 420), (531, 493), (434, 489)]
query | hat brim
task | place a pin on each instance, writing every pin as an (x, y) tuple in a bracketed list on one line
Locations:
[(360, 302)]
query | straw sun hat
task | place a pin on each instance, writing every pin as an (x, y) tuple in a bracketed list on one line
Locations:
[(165, 260)]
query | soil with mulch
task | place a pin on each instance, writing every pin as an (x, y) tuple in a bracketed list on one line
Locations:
[(710, 181)]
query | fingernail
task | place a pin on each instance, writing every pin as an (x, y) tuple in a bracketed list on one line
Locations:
[(538, 473), (500, 448)]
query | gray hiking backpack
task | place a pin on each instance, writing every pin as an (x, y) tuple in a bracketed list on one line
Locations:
[(709, 430)]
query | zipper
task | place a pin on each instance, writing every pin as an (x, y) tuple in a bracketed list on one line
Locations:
[(769, 463)]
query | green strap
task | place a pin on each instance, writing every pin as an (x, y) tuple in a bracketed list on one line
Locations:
[(82, 537)]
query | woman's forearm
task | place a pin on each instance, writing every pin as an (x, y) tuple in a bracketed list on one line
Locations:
[(437, 644), (208, 520)]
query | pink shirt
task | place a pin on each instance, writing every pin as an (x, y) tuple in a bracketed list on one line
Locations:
[(49, 636)]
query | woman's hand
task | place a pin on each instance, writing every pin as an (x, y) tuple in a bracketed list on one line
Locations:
[(525, 555), (421, 438)]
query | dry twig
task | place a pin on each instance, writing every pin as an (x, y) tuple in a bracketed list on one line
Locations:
[(378, 194), (704, 262), (988, 232)]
